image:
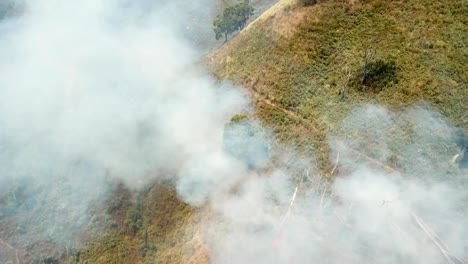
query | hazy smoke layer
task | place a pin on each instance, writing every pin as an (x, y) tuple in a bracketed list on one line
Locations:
[(95, 89), (371, 213), (90, 89)]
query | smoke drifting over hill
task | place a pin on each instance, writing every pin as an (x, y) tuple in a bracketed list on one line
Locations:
[(97, 89), (370, 213)]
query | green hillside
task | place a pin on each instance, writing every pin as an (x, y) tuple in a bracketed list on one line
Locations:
[(307, 69), (298, 59), (295, 61)]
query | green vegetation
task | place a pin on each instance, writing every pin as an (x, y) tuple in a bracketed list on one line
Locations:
[(238, 118), (308, 2), (232, 19), (298, 61), (148, 227), (308, 66)]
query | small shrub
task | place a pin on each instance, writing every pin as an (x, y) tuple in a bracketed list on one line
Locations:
[(380, 74), (239, 118), (133, 221), (307, 2)]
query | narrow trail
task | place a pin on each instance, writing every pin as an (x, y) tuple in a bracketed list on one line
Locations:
[(310, 125), (268, 102)]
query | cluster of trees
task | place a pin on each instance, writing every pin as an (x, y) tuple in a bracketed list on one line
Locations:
[(232, 19)]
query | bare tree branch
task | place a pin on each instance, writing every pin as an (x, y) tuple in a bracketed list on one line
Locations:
[(344, 85), (367, 58)]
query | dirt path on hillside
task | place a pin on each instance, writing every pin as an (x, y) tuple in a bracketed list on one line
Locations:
[(292, 114), (310, 125)]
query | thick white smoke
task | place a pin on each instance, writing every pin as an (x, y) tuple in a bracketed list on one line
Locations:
[(94, 88), (371, 213)]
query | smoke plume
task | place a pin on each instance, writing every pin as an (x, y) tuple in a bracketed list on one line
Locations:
[(370, 213), (93, 90), (97, 89)]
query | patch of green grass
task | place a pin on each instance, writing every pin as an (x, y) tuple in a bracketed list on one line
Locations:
[(421, 55)]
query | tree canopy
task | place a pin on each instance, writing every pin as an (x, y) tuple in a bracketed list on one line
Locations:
[(232, 19)]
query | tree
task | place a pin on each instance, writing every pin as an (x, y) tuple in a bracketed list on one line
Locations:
[(232, 19), (224, 25), (242, 12)]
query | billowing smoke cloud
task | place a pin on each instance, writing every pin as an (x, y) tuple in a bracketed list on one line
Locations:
[(370, 213), (92, 90), (97, 89)]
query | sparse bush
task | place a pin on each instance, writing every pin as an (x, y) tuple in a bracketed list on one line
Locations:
[(307, 2), (375, 74), (379, 75), (238, 118), (134, 220)]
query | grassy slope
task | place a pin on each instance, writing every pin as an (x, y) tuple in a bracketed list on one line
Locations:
[(149, 227), (296, 59)]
